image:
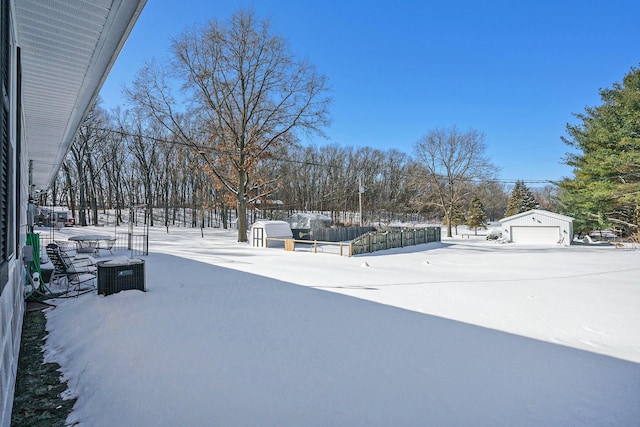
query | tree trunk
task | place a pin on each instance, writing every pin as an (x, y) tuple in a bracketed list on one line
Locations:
[(223, 212), (242, 206), (149, 197), (83, 203), (94, 191), (449, 219), (72, 194)]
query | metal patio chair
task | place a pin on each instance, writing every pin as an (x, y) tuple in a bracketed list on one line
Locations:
[(76, 273)]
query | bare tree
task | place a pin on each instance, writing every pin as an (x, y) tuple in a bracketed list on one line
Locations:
[(494, 198), (245, 90), (142, 143), (82, 155), (451, 162), (548, 197)]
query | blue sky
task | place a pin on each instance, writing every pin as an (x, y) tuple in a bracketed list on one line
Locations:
[(515, 71)]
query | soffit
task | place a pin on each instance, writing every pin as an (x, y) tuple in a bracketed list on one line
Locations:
[(67, 49)]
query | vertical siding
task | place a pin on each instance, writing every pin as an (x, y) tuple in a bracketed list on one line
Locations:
[(12, 312), (540, 220), (12, 303)]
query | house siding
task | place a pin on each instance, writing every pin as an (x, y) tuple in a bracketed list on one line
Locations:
[(14, 235)]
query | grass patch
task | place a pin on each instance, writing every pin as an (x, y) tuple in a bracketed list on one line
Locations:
[(37, 398)]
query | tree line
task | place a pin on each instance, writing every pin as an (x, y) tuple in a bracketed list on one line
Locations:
[(120, 161)]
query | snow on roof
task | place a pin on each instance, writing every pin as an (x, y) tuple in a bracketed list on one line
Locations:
[(538, 212), (311, 216), (274, 228), (306, 219), (53, 208)]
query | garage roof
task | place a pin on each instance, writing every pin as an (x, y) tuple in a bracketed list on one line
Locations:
[(67, 50), (538, 212)]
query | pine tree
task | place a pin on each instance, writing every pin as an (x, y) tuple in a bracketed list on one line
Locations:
[(606, 160), (528, 201), (476, 216), (455, 217), (521, 199)]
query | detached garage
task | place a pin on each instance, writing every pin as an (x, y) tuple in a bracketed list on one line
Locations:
[(538, 227)]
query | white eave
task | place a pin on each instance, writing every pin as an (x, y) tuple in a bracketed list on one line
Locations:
[(67, 49)]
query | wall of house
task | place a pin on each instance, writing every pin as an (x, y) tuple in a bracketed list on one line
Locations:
[(14, 194), (11, 315)]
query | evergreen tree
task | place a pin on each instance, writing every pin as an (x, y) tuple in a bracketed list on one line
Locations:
[(455, 217), (476, 216), (521, 199), (606, 164)]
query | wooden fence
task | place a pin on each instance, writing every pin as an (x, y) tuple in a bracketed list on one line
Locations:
[(339, 234), (370, 242), (381, 240)]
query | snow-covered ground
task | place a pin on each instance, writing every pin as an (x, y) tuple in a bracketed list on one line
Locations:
[(463, 332)]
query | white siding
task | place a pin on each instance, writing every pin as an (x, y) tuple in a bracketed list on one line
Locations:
[(11, 315), (11, 292), (533, 220)]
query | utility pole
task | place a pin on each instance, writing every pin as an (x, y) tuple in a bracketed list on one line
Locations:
[(360, 191)]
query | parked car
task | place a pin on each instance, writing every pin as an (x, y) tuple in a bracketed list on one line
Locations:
[(494, 234)]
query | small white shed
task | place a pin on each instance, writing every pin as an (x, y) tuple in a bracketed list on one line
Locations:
[(538, 227), (261, 230)]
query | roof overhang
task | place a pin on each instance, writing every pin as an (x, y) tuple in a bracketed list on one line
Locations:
[(67, 49)]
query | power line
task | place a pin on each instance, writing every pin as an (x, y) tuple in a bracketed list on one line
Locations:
[(194, 146)]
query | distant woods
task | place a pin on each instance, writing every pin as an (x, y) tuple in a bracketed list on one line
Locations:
[(119, 161)]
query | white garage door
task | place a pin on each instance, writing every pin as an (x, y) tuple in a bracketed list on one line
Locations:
[(535, 235)]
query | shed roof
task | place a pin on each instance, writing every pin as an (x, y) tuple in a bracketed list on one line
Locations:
[(274, 228), (541, 212)]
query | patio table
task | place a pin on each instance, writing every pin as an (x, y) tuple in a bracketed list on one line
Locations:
[(92, 243)]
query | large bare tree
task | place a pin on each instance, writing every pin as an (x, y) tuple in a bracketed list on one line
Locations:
[(451, 162), (243, 92)]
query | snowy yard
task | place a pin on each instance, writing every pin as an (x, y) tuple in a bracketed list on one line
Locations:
[(463, 332)]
